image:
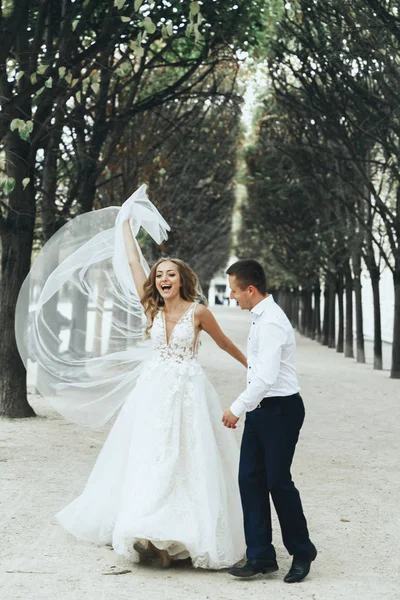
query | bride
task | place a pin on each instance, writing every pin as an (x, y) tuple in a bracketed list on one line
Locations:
[(165, 482)]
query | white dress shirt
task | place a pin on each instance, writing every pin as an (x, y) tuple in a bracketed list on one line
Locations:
[(271, 357)]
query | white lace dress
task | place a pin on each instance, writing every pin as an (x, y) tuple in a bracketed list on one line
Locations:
[(168, 469)]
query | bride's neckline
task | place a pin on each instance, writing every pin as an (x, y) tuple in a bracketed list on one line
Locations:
[(168, 341)]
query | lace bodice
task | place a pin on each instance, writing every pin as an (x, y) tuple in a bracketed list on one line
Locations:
[(182, 344)]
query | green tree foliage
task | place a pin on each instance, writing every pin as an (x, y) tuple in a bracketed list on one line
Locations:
[(186, 151), (72, 75), (334, 74)]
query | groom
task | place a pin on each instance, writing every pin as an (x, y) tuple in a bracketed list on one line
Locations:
[(274, 415)]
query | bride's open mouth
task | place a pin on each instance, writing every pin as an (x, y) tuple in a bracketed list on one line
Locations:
[(166, 288)]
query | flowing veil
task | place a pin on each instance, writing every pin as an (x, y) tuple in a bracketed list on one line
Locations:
[(79, 321)]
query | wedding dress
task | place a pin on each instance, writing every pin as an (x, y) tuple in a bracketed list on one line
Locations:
[(167, 472)]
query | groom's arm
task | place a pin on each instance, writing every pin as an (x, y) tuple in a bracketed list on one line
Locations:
[(264, 371)]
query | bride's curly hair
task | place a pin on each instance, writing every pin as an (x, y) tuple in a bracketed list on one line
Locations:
[(190, 288)]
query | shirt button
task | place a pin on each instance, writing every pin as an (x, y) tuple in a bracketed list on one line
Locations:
[(249, 367)]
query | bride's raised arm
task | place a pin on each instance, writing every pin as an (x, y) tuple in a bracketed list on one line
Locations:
[(138, 273)]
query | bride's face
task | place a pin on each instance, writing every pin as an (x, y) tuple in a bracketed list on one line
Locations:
[(168, 280)]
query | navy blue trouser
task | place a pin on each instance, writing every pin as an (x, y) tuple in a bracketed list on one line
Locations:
[(269, 440)]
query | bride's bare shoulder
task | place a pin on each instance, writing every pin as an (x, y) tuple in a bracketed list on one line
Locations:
[(202, 313), (202, 310)]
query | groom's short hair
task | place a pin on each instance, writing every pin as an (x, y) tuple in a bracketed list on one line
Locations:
[(249, 272)]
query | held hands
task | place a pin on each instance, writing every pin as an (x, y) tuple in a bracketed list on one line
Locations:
[(229, 419)]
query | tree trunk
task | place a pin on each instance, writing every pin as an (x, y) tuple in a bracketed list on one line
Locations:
[(309, 314), (395, 369), (50, 222), (332, 314), (303, 314), (317, 313), (79, 316), (295, 312), (325, 325), (16, 237), (292, 308), (378, 358), (98, 319), (356, 259), (339, 291), (289, 302), (286, 304), (205, 290), (348, 278), (374, 273), (281, 298)]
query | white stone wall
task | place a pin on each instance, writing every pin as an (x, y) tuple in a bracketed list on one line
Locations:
[(387, 306)]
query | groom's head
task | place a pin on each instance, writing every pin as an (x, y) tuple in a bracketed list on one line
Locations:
[(247, 282)]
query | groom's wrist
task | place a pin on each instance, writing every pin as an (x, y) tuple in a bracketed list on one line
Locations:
[(238, 408)]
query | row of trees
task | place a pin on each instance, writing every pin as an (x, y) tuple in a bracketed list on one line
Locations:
[(97, 96), (186, 152), (324, 178)]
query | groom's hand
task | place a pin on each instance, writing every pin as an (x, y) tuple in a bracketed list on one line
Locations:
[(229, 419)]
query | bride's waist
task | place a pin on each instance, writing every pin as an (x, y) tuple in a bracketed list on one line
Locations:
[(174, 361)]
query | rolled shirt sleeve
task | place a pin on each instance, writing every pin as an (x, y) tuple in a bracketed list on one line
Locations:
[(263, 371)]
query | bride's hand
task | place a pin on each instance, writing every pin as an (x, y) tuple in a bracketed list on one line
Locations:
[(126, 212), (229, 419)]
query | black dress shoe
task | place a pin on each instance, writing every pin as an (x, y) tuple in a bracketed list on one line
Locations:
[(254, 567), (300, 567)]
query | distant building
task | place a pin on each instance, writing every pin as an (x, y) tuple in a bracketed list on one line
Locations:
[(219, 291)]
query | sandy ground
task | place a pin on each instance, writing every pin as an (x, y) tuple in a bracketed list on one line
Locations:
[(346, 468)]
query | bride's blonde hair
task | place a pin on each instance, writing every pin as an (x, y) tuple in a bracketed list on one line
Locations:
[(190, 288)]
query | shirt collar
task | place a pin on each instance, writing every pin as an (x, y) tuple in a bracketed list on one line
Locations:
[(259, 308)]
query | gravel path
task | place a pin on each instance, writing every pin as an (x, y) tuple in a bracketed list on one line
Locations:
[(346, 468)]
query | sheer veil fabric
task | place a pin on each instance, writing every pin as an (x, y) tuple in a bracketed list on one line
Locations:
[(167, 472), (79, 320)]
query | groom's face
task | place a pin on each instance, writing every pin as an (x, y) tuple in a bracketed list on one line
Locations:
[(242, 297)]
